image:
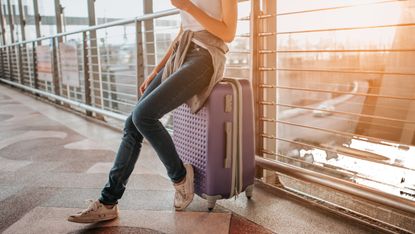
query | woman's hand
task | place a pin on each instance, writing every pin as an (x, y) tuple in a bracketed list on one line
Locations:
[(181, 4), (147, 82)]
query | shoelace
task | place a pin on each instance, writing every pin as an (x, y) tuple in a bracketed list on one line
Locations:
[(181, 192), (92, 206)]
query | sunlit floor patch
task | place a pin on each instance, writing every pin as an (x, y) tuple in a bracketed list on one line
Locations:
[(87, 144)]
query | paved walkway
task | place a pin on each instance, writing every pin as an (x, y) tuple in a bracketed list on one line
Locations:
[(51, 161)]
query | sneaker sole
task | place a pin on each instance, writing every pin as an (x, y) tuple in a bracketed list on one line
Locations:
[(92, 220)]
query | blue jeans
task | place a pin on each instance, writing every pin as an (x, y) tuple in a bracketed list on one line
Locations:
[(158, 99)]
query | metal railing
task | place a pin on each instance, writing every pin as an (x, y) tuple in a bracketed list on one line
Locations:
[(114, 58), (323, 114)]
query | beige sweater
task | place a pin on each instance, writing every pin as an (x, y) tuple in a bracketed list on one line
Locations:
[(217, 49)]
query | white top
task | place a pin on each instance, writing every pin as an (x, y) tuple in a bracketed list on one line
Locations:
[(211, 7)]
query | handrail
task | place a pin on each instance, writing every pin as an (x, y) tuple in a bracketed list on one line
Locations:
[(337, 184), (154, 15)]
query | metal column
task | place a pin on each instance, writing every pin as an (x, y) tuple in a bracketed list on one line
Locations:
[(10, 49), (3, 30), (87, 84), (149, 37), (22, 20), (256, 80), (139, 56), (55, 47), (20, 50), (11, 21), (3, 39), (37, 20), (94, 71), (269, 59)]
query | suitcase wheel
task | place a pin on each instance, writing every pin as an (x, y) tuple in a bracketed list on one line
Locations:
[(211, 203), (249, 191), (211, 200)]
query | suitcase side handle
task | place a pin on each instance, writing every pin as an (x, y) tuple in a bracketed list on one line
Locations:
[(228, 143)]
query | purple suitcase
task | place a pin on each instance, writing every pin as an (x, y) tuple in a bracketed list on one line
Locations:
[(219, 141)]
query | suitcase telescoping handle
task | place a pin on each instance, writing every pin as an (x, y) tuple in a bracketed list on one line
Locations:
[(228, 143)]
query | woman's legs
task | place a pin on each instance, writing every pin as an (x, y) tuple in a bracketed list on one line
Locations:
[(194, 76), (159, 99), (126, 156)]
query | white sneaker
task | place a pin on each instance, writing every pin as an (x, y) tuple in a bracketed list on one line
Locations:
[(96, 212), (184, 190)]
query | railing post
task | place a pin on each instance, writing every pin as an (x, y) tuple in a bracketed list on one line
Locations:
[(3, 40), (11, 48), (22, 20), (87, 84), (9, 62), (269, 43), (20, 62), (37, 17), (139, 56), (35, 76), (256, 80), (11, 21), (55, 71), (150, 45), (1, 62), (95, 63), (3, 31)]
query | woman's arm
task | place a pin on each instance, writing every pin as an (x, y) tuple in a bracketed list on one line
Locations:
[(225, 28)]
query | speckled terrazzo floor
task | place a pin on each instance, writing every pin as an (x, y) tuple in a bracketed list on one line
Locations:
[(51, 161)]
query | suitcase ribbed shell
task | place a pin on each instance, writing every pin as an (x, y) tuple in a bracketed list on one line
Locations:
[(190, 138)]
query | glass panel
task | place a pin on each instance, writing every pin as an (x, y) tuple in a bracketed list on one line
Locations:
[(75, 14), (109, 10), (161, 5), (48, 19)]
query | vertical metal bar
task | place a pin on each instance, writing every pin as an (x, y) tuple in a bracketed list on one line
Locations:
[(3, 30), (19, 62), (139, 56), (56, 45), (3, 39), (1, 63), (9, 62), (23, 47), (37, 20), (58, 17), (22, 20), (16, 48), (270, 77), (256, 80), (55, 71), (11, 21), (87, 83), (95, 60), (35, 74), (149, 36), (10, 51)]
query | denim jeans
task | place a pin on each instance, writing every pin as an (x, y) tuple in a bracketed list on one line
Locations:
[(158, 99)]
